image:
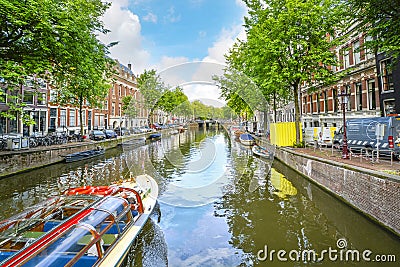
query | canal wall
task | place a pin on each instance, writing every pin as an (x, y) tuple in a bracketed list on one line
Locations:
[(375, 194), (14, 162)]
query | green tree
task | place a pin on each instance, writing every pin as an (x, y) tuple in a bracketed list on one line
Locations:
[(152, 89), (380, 19), (129, 106), (240, 92), (184, 109), (171, 99), (288, 44), (55, 40)]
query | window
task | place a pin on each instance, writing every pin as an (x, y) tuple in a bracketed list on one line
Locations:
[(368, 52), (53, 96), (359, 96), (318, 103), (326, 101), (42, 99), (357, 52), (53, 118), (63, 118), (72, 117), (346, 58), (334, 100), (371, 94), (113, 109), (386, 75), (389, 107), (28, 97)]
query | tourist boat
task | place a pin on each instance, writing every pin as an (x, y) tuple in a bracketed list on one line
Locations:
[(246, 139), (262, 152), (155, 136), (86, 226), (84, 154)]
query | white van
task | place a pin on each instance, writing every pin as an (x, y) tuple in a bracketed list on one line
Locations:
[(321, 135)]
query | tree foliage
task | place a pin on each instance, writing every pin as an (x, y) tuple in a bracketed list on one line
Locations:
[(152, 89), (55, 40), (129, 106), (289, 43), (241, 94), (170, 100), (381, 20)]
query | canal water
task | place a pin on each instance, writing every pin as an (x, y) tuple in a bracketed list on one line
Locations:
[(219, 205)]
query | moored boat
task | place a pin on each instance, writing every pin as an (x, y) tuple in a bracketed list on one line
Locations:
[(262, 152), (84, 154), (246, 139), (86, 226), (155, 136)]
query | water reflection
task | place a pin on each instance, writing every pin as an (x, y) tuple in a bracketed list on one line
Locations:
[(217, 214)]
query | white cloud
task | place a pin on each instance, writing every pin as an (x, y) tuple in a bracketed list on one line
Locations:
[(207, 94), (167, 62), (171, 16), (126, 29), (151, 17)]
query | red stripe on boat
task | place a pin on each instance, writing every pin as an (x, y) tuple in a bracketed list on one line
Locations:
[(25, 254)]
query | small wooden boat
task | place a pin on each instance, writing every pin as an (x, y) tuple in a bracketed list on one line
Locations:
[(237, 133), (155, 136), (246, 139), (86, 226), (262, 152), (84, 154)]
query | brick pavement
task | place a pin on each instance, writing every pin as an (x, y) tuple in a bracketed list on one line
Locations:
[(384, 164)]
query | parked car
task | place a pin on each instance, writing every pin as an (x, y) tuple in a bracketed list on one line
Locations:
[(135, 130), (97, 135), (110, 134), (121, 131), (156, 126)]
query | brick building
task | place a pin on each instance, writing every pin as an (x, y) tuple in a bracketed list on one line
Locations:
[(41, 105)]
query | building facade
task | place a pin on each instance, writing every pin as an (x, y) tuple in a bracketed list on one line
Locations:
[(41, 104), (361, 83)]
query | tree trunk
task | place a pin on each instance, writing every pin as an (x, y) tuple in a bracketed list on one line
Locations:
[(80, 115), (274, 106), (297, 111)]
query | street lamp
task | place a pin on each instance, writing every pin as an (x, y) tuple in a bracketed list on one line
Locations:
[(344, 100)]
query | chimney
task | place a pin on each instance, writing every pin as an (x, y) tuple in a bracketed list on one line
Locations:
[(130, 66)]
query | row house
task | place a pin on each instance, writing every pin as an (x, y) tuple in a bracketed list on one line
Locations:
[(111, 115), (41, 105), (34, 104), (368, 82)]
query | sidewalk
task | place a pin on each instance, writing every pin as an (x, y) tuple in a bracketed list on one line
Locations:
[(382, 166)]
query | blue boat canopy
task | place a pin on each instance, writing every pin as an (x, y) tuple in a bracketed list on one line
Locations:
[(246, 136)]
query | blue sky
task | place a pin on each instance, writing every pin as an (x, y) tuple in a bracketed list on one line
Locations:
[(184, 28), (157, 34)]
